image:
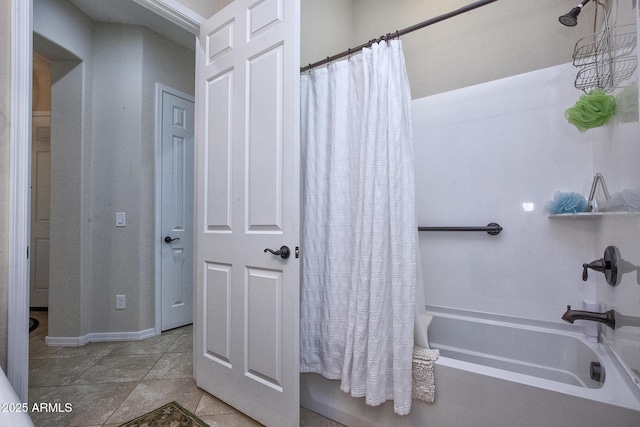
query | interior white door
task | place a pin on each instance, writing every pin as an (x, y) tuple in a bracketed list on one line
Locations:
[(247, 200), (40, 202), (177, 136)]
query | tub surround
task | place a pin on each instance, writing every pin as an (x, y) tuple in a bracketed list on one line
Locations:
[(517, 154)]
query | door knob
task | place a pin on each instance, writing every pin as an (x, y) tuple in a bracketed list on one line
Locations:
[(168, 239), (284, 252)]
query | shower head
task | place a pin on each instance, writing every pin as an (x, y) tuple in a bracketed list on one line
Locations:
[(571, 19)]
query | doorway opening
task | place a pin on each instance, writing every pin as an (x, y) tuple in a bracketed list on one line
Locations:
[(75, 210), (40, 183)]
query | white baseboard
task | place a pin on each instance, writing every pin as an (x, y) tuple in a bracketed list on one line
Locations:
[(100, 337)]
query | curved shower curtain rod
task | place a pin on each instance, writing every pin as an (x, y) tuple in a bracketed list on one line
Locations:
[(399, 33)]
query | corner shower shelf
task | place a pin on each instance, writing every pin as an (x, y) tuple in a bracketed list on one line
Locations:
[(591, 215)]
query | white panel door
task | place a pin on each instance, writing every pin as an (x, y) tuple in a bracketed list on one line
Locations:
[(177, 128), (40, 201), (247, 200)]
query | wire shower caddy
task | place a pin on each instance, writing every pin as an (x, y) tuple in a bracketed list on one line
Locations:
[(606, 58)]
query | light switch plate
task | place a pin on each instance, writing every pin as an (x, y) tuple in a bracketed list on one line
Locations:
[(120, 219)]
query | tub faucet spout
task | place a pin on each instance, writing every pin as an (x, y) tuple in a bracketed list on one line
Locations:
[(608, 317)]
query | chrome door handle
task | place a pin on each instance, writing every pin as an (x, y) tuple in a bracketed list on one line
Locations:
[(168, 239), (284, 252)]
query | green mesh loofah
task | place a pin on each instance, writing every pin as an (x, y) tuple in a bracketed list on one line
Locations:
[(592, 110), (627, 104)]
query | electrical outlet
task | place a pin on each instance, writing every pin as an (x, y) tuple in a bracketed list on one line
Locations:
[(120, 302)]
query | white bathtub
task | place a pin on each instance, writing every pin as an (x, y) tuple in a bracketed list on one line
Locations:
[(495, 371)]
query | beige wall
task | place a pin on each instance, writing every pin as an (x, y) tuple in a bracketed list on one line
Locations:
[(501, 39), (326, 28), (5, 94), (128, 61), (41, 83), (204, 8), (220, 3), (102, 162), (68, 45)]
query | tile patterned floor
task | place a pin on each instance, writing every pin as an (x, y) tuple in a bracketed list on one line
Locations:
[(110, 383)]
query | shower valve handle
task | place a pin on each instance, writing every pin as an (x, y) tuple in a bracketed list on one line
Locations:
[(608, 265), (597, 265)]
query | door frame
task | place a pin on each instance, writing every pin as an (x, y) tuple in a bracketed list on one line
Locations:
[(19, 201), (160, 89), (20, 174)]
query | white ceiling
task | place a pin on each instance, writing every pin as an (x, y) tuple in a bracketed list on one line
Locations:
[(128, 12)]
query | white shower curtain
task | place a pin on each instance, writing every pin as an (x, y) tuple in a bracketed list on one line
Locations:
[(359, 226)]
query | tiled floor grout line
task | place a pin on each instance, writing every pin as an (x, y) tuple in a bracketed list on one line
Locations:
[(169, 378), (71, 381), (144, 376)]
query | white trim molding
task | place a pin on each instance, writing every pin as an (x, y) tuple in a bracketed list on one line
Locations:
[(19, 201), (174, 12), (100, 337)]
